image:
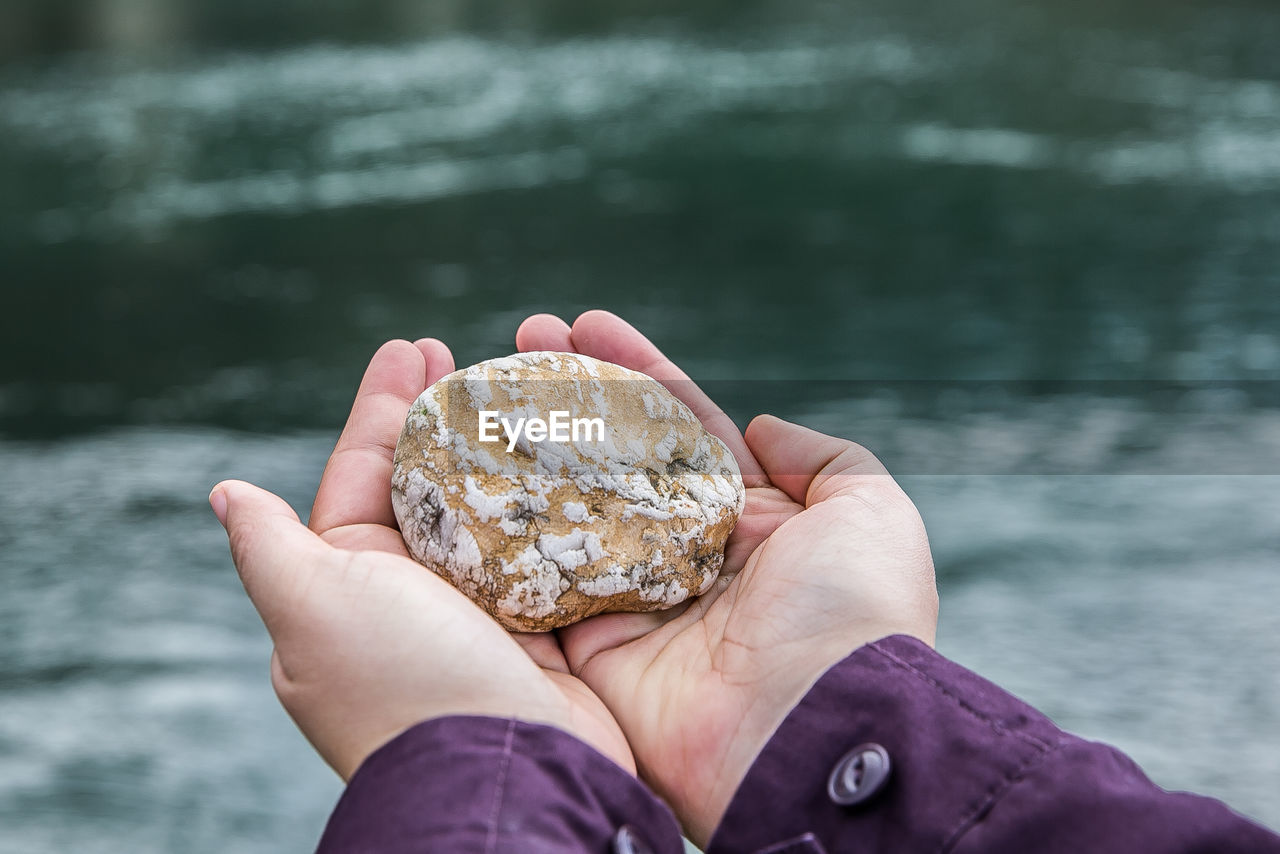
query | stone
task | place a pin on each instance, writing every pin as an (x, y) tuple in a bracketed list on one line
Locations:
[(549, 487)]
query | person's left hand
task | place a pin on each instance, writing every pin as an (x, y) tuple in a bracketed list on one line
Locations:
[(368, 642)]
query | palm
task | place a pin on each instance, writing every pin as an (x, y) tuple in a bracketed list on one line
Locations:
[(686, 693), (353, 510), (652, 669)]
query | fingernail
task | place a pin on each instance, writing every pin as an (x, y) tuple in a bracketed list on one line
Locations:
[(218, 501)]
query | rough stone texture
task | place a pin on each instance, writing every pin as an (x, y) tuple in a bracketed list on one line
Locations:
[(551, 533)]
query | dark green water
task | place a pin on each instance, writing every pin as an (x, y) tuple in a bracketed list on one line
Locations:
[(223, 237), (1027, 253)]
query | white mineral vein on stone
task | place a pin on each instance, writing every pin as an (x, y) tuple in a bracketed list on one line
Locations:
[(481, 393), (536, 594), (536, 493), (576, 511), (609, 583), (466, 554), (647, 512), (665, 448), (513, 527), (670, 593), (487, 506), (571, 550), (709, 491)]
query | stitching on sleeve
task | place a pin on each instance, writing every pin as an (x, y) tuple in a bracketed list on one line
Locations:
[(491, 841), (994, 794), (995, 725)]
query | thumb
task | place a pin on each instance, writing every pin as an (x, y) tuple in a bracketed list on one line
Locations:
[(275, 554), (807, 465)]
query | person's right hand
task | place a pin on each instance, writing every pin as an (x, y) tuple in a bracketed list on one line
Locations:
[(368, 642), (829, 554)]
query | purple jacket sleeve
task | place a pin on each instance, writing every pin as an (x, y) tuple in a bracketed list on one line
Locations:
[(969, 769), (474, 784)]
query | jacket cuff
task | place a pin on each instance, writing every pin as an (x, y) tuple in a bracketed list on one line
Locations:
[(897, 749), (493, 785), (939, 726)]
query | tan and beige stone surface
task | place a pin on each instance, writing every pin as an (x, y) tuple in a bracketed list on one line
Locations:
[(548, 533)]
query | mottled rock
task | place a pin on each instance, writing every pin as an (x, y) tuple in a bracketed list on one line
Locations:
[(630, 514)]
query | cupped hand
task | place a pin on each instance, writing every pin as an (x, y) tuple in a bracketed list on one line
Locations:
[(829, 554), (368, 642)]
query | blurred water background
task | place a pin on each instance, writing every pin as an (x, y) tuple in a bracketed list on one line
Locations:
[(1026, 252)]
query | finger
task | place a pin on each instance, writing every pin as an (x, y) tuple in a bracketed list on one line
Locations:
[(544, 649), (584, 640), (274, 553), (355, 488), (438, 357), (544, 332), (366, 538), (807, 465), (767, 508), (606, 336)]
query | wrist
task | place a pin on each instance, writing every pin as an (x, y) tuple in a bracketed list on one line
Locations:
[(925, 714), (347, 726), (463, 783), (767, 704)]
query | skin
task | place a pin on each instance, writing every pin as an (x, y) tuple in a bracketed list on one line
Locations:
[(829, 555)]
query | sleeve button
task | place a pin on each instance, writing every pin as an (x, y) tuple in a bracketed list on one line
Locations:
[(627, 841), (860, 773)]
